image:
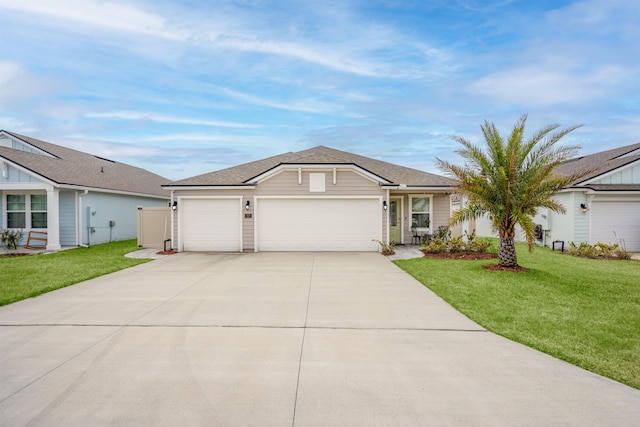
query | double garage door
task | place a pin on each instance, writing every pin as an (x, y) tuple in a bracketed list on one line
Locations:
[(616, 218), (320, 224)]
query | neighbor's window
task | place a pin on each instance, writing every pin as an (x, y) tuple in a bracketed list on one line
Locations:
[(420, 212), (38, 211), (16, 211), (26, 211)]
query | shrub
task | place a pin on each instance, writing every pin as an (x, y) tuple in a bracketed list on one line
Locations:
[(435, 246), (11, 238), (456, 244), (387, 248), (598, 250)]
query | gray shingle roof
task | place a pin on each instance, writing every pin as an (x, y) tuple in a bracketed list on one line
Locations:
[(600, 163), (242, 174), (72, 167)]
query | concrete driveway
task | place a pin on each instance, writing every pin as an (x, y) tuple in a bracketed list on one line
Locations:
[(279, 339)]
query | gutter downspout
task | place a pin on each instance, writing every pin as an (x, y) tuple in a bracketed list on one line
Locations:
[(80, 210)]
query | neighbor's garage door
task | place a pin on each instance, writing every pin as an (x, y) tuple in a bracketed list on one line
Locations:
[(318, 224), (211, 225), (623, 217)]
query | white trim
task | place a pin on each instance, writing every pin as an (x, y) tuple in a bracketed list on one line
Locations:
[(401, 197), (422, 196), (207, 187), (180, 231), (442, 189)]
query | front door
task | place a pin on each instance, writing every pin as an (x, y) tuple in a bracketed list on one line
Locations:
[(395, 220)]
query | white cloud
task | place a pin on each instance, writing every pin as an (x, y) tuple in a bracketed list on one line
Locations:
[(108, 15), (161, 118), (19, 85)]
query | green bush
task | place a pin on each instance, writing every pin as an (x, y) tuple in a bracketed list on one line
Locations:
[(11, 238), (598, 250)]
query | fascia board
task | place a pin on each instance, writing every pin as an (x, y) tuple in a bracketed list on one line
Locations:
[(207, 187)]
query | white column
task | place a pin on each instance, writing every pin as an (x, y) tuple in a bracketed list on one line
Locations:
[(53, 219)]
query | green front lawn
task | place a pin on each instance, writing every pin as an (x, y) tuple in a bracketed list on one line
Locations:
[(28, 276), (584, 311)]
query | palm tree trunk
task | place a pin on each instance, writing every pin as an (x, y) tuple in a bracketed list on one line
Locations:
[(507, 252)]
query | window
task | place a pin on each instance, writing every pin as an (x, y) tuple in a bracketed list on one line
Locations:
[(421, 212), (16, 211), (38, 211), (26, 211)]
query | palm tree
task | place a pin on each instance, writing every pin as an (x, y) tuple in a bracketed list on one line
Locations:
[(511, 180)]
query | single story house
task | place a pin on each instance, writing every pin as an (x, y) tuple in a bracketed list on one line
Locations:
[(71, 197), (603, 206), (320, 199)]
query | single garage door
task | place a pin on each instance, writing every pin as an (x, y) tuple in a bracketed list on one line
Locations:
[(621, 217), (318, 224), (211, 225)]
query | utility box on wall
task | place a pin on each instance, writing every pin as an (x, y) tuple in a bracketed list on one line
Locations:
[(154, 227)]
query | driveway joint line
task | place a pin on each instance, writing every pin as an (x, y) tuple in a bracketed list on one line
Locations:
[(304, 334), (336, 328)]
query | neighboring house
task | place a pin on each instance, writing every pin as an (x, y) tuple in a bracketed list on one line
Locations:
[(604, 206), (318, 199), (75, 197)]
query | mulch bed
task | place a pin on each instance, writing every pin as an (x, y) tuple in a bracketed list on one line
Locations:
[(169, 252), (476, 256), (461, 255), (14, 255), (496, 267)]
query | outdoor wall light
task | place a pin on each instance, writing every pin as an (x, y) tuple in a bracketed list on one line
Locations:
[(247, 205), (584, 208), (384, 205), (175, 205)]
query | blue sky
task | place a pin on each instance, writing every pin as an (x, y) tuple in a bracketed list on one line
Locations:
[(187, 87)]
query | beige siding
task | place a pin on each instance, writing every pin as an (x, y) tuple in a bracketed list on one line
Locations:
[(348, 183), (441, 210)]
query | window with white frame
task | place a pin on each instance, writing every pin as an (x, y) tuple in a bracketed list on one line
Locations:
[(421, 211), (26, 210)]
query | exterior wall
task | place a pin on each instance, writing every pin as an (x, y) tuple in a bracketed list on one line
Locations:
[(15, 176), (580, 219), (100, 208), (68, 217), (286, 184), (440, 210)]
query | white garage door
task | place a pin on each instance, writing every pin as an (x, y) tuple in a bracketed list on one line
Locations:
[(623, 217), (318, 224), (211, 225)]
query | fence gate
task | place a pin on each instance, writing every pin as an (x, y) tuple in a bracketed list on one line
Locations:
[(154, 227)]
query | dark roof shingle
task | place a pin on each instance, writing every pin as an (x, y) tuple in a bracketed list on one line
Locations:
[(242, 174), (600, 163), (72, 167)]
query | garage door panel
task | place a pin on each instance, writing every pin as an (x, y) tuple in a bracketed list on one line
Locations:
[(318, 224), (619, 217), (211, 225)]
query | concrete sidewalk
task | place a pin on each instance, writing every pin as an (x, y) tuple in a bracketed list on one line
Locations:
[(279, 339)]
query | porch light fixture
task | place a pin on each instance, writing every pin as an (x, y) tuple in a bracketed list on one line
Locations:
[(175, 205), (384, 205), (584, 208), (247, 205)]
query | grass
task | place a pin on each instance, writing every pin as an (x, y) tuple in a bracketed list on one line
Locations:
[(28, 276), (583, 311)]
